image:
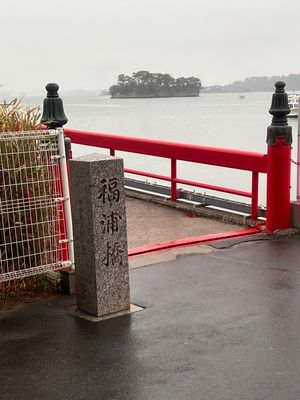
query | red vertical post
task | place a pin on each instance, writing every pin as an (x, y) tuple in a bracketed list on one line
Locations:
[(173, 179), (63, 228), (112, 152), (62, 219), (254, 197), (279, 140)]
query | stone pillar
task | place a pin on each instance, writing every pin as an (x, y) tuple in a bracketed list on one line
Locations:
[(100, 235)]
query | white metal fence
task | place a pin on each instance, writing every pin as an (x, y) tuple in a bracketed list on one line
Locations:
[(34, 204)]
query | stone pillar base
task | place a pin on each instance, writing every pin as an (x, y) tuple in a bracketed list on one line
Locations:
[(295, 214), (73, 310)]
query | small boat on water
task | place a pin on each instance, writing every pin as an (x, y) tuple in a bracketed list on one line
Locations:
[(293, 100)]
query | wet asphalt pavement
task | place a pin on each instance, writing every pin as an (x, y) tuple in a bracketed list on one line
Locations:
[(218, 326)]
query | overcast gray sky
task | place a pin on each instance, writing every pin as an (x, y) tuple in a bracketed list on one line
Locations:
[(87, 43)]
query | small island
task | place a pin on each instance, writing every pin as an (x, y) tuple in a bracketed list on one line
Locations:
[(144, 84)]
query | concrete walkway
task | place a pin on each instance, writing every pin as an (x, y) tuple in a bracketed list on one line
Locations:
[(148, 222), (157, 223), (218, 326)]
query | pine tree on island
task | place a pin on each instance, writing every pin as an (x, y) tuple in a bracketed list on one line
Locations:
[(146, 84)]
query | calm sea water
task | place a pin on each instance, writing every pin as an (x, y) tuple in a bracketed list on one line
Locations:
[(222, 120)]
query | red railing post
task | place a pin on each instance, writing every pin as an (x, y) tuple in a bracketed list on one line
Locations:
[(112, 152), (254, 196), (173, 179), (279, 140)]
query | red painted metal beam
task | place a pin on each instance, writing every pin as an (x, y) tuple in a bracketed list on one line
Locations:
[(148, 174), (214, 187), (192, 241), (230, 158), (187, 182)]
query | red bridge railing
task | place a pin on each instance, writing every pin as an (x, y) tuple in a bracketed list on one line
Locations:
[(237, 159)]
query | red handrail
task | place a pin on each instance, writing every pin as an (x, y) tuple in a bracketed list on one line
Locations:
[(229, 158)]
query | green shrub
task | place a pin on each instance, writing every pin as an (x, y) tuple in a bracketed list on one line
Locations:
[(14, 117), (23, 178)]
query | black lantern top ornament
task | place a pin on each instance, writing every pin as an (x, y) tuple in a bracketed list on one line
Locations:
[(53, 109), (279, 109)]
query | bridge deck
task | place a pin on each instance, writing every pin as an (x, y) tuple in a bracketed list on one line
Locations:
[(222, 325)]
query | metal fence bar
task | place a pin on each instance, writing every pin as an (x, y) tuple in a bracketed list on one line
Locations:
[(66, 192)]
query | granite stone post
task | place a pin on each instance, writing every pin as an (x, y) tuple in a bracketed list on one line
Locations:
[(100, 235)]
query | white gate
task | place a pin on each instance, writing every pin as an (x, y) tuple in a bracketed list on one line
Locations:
[(35, 221)]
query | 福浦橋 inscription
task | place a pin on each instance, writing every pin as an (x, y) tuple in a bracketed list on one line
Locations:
[(111, 222), (108, 191), (113, 254), (100, 235)]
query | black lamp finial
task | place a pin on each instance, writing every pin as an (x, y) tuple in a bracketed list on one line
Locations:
[(53, 109), (279, 109)]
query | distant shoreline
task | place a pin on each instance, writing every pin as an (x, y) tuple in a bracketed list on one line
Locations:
[(256, 84), (152, 97)]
